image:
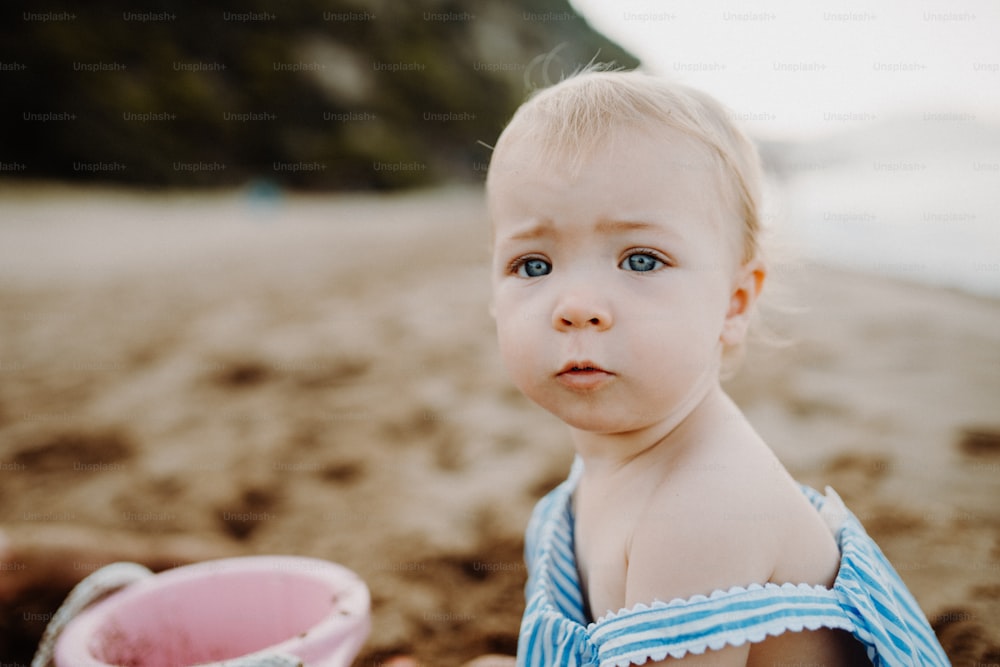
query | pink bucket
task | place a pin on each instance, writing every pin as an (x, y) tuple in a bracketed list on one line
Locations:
[(218, 610)]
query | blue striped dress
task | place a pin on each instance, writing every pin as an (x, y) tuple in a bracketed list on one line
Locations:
[(868, 599)]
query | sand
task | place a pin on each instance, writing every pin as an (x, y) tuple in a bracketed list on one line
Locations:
[(189, 376)]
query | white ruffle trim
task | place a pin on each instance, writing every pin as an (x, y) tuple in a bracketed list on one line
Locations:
[(718, 593)]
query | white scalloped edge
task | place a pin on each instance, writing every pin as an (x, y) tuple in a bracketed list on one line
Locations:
[(716, 594), (743, 636)]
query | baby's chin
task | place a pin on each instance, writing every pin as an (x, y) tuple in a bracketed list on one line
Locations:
[(598, 420)]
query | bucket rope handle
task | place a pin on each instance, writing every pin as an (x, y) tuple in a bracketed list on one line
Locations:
[(105, 581), (95, 586)]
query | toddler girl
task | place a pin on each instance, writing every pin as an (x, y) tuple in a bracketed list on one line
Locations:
[(626, 266)]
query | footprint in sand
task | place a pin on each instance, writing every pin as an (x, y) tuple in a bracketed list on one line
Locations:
[(980, 441), (70, 451), (254, 506)]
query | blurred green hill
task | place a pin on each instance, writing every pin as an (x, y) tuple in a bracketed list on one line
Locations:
[(310, 94)]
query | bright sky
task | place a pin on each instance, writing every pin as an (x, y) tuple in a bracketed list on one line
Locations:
[(794, 69)]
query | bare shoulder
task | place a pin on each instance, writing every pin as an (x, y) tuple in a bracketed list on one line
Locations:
[(711, 529), (699, 533), (733, 526)]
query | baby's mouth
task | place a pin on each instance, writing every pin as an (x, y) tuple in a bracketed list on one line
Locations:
[(583, 376), (576, 367)]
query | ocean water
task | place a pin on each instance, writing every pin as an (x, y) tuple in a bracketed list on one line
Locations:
[(917, 200)]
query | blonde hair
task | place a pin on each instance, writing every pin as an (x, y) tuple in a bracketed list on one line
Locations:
[(569, 122)]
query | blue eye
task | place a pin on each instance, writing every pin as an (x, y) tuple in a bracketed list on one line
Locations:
[(641, 262), (534, 267)]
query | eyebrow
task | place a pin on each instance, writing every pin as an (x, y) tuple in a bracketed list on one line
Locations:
[(544, 228), (620, 226), (536, 230)]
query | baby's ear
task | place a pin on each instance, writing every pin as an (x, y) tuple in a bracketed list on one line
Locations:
[(746, 288)]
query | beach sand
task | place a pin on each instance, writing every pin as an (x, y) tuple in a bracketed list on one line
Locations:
[(187, 376)]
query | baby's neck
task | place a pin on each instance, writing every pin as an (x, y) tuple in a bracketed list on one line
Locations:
[(665, 443)]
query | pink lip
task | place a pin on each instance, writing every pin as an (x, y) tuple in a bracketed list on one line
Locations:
[(583, 375)]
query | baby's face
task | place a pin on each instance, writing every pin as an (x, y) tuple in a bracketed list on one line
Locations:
[(611, 286)]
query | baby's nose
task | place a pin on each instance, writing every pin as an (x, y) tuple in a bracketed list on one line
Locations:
[(579, 311)]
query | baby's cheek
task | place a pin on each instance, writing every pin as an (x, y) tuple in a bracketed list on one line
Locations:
[(672, 352), (515, 347)]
